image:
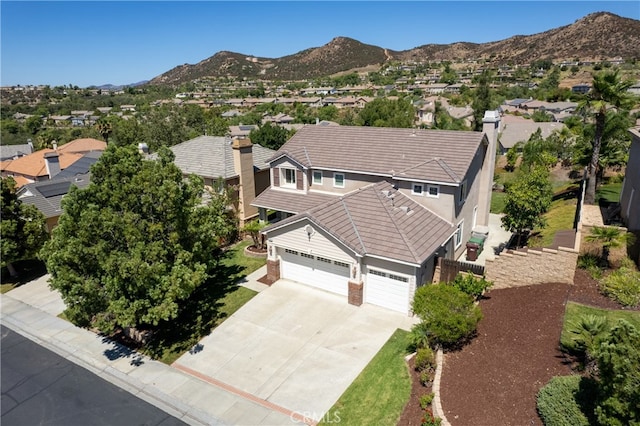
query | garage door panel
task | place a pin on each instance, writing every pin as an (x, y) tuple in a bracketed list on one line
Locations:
[(316, 271), (387, 290)]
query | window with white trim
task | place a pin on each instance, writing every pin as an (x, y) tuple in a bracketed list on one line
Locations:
[(462, 195), (416, 189), (288, 177), (399, 278), (433, 191), (458, 234), (338, 180), (317, 177)]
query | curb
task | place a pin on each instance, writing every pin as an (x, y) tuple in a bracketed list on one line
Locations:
[(437, 402)]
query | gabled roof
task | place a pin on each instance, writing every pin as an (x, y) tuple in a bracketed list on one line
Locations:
[(378, 220), (417, 154), (212, 157), (47, 195), (288, 201)]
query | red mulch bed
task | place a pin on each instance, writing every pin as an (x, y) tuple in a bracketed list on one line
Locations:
[(495, 379), (412, 414)]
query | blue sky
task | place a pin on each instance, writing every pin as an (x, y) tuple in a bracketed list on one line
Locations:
[(122, 42)]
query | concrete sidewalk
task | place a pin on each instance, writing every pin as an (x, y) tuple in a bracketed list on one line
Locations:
[(32, 314)]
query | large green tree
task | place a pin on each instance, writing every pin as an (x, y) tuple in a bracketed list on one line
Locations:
[(269, 135), (22, 227), (481, 99), (608, 91), (382, 112), (131, 247), (528, 198)]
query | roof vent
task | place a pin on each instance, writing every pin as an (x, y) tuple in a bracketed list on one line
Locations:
[(385, 192), (405, 209)]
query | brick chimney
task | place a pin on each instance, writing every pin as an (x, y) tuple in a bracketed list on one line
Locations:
[(243, 165), (52, 163), (490, 127)]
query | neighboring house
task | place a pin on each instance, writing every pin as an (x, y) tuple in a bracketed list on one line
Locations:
[(47, 163), (364, 212), (630, 194), (519, 129), (239, 162), (12, 152), (241, 131), (47, 195)]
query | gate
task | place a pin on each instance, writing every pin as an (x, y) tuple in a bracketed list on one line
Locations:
[(449, 269)]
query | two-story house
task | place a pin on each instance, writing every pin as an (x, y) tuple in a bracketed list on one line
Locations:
[(364, 212)]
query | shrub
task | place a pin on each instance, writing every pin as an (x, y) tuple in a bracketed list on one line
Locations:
[(419, 336), (425, 359), (426, 377), (619, 383), (471, 285), (623, 286), (429, 419), (426, 399), (448, 314), (565, 400)]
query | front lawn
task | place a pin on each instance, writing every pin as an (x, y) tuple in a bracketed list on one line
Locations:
[(575, 310), (237, 257), (609, 192), (378, 395), (28, 270), (498, 201)]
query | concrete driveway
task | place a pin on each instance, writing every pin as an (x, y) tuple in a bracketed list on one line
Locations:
[(294, 347)]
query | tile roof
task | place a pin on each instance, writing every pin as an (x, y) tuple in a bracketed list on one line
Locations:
[(378, 220), (83, 145), (47, 195), (290, 202), (34, 165), (518, 129), (416, 154), (10, 151), (212, 157)]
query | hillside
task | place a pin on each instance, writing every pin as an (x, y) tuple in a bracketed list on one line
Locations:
[(598, 36)]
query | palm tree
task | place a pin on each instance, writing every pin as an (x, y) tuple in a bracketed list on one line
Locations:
[(610, 238), (104, 128), (608, 90)]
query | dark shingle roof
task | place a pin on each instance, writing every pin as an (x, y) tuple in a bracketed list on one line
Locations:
[(82, 166), (416, 154), (47, 195), (378, 220)]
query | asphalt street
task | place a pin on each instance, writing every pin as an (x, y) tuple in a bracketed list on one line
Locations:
[(41, 388)]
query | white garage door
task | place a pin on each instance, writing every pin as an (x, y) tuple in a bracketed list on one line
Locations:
[(317, 271), (387, 290)]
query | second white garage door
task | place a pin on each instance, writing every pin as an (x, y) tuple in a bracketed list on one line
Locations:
[(317, 271), (387, 290)]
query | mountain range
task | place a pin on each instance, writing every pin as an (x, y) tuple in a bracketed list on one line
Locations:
[(595, 37)]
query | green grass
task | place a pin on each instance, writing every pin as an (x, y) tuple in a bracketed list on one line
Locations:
[(237, 257), (378, 395), (28, 270), (609, 192), (576, 310), (559, 217), (498, 201), (207, 308)]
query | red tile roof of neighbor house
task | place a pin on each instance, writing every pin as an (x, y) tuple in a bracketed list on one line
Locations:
[(83, 145), (34, 165), (377, 220), (413, 154)]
